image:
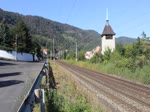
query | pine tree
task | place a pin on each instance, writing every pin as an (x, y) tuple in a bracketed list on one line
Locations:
[(5, 36), (24, 42), (36, 47)]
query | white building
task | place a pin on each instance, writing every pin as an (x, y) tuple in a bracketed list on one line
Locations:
[(13, 55), (108, 38), (90, 54)]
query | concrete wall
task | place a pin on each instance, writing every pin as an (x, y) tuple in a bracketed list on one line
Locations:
[(108, 43), (16, 56)]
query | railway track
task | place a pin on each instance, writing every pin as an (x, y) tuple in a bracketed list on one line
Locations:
[(121, 94)]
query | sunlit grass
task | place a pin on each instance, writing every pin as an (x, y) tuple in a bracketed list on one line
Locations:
[(36, 108), (69, 96), (140, 75)]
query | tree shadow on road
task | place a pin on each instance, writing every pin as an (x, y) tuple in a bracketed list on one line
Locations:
[(9, 74), (6, 63), (9, 83)]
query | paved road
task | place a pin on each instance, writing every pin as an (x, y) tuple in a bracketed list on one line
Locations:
[(15, 80)]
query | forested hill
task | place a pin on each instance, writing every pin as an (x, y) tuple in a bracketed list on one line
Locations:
[(125, 40), (65, 35)]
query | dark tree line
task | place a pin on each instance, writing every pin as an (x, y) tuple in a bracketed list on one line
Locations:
[(5, 35), (18, 38)]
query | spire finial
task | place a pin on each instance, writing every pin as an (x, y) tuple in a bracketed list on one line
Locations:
[(107, 20), (106, 14)]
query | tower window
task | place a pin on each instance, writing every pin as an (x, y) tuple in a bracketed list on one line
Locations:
[(109, 37)]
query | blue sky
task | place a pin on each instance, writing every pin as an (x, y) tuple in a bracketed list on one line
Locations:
[(127, 17)]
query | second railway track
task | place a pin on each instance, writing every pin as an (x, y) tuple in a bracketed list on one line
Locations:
[(126, 95)]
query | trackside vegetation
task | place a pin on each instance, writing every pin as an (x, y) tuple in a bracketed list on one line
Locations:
[(131, 61), (69, 96)]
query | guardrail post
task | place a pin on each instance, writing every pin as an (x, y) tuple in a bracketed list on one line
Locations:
[(42, 101), (39, 98)]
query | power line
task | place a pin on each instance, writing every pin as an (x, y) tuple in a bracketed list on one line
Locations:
[(72, 8), (131, 25), (131, 20), (135, 27)]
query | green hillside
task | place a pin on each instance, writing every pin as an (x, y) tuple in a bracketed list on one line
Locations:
[(64, 35), (125, 40), (45, 30)]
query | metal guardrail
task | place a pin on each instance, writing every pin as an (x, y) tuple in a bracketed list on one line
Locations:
[(35, 94)]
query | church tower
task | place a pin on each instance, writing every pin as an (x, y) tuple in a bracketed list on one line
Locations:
[(107, 37)]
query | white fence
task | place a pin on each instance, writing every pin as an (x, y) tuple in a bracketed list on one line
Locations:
[(12, 55)]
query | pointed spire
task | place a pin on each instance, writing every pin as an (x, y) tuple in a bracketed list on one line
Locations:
[(107, 29)]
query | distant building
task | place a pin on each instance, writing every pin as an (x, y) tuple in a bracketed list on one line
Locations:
[(107, 41), (97, 49), (107, 38), (45, 50), (90, 54)]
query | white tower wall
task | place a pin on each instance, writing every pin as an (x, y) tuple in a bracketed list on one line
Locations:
[(108, 43)]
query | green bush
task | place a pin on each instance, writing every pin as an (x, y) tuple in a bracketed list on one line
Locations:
[(107, 54), (57, 103), (97, 58), (81, 55), (115, 56), (126, 63)]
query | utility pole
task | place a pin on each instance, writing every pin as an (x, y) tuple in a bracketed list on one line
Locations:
[(16, 47), (53, 50), (76, 52)]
